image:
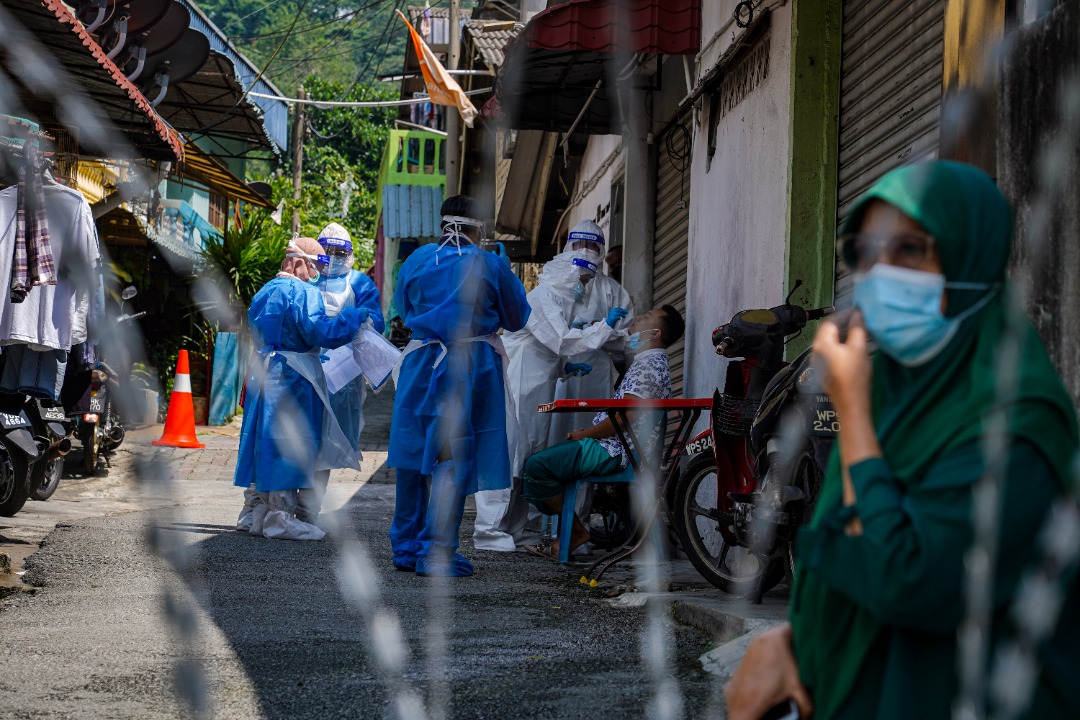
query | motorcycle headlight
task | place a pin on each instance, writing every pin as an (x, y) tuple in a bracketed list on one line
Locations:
[(807, 380)]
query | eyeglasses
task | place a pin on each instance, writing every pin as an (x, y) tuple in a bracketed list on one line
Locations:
[(860, 251)]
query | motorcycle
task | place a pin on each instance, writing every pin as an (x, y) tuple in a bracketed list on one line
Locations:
[(753, 476), (97, 421), (32, 440)]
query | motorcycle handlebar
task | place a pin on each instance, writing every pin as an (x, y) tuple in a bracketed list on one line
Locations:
[(724, 345), (819, 313), (129, 318)]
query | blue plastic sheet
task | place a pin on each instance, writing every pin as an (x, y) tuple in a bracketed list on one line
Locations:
[(225, 385)]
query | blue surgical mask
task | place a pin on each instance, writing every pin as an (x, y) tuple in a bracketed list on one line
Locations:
[(902, 311), (636, 342), (579, 291)]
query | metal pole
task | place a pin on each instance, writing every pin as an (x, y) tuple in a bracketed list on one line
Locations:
[(298, 159), (453, 120)]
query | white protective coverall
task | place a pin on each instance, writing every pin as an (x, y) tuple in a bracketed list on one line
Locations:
[(560, 329)]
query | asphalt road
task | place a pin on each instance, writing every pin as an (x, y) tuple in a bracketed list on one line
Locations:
[(257, 628)]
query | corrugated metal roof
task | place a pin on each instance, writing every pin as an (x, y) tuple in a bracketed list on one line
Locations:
[(489, 44)]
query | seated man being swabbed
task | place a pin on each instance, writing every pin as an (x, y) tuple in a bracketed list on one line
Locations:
[(596, 450)]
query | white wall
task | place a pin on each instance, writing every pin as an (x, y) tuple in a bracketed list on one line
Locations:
[(738, 209), (593, 173)]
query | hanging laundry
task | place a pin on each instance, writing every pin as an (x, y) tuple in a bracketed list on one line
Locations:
[(33, 259)]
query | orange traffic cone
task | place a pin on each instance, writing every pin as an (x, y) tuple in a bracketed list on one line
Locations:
[(180, 420)]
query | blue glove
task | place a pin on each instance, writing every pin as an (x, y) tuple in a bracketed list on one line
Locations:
[(502, 252), (615, 315), (362, 314), (577, 369)]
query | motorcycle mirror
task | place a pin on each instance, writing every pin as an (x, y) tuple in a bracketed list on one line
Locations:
[(128, 292), (798, 284)]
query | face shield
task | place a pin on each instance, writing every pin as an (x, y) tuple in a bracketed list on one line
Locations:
[(339, 252), (586, 270)]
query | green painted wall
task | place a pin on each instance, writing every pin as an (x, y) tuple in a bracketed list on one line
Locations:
[(815, 109)]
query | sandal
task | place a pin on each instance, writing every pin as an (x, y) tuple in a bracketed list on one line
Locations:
[(548, 551)]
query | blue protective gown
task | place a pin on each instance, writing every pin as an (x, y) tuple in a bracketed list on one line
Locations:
[(460, 404), (280, 437), (454, 406), (348, 402)]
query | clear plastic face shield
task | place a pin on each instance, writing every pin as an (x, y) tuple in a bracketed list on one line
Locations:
[(586, 246), (586, 270), (340, 254), (318, 262)]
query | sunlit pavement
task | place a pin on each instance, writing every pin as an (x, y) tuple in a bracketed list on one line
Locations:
[(273, 636)]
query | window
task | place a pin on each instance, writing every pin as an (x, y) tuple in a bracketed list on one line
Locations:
[(429, 157), (414, 155), (615, 228)]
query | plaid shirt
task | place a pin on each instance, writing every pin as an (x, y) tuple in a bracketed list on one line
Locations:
[(33, 263)]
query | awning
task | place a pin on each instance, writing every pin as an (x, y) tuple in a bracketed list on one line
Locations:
[(209, 171), (89, 72), (556, 63), (523, 200), (122, 227), (213, 102)]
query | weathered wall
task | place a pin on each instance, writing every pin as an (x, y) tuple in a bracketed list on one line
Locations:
[(738, 207), (599, 169), (1042, 60)]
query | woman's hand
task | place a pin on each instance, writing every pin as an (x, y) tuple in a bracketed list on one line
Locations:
[(579, 434), (767, 676), (845, 366)]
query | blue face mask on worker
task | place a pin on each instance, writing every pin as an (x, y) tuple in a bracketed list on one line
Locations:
[(902, 311)]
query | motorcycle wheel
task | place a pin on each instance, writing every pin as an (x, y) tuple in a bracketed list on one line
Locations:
[(46, 478), (807, 478), (735, 570), (88, 436), (14, 491)]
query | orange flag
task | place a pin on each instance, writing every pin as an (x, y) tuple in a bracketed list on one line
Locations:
[(441, 87)]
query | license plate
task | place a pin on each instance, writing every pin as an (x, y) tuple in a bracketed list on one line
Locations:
[(700, 445), (54, 413), (10, 422), (823, 420), (97, 404)]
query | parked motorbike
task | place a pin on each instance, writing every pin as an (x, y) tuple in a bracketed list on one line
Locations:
[(754, 475), (31, 440), (95, 416)]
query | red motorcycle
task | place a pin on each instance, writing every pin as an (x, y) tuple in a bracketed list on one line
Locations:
[(754, 475)]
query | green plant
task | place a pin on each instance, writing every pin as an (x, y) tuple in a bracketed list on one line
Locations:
[(246, 256)]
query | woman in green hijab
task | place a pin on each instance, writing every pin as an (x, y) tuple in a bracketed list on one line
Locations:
[(879, 590)]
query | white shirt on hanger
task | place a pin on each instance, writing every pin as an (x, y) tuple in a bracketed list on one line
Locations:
[(51, 316)]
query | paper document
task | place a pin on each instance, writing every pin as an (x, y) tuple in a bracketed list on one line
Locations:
[(375, 355), (369, 354)]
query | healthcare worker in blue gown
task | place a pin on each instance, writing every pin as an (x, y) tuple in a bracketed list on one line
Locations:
[(449, 436), (341, 287), (284, 408)]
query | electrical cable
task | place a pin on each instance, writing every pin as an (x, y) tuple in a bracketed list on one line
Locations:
[(385, 34)]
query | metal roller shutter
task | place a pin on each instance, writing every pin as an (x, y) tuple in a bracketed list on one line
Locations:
[(672, 233), (890, 95)]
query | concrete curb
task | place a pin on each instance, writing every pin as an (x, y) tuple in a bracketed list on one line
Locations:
[(732, 628)]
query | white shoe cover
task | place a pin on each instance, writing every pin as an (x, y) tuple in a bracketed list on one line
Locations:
[(258, 516), (280, 525), (243, 523)]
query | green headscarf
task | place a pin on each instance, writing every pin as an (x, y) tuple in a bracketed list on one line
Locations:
[(921, 413)]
